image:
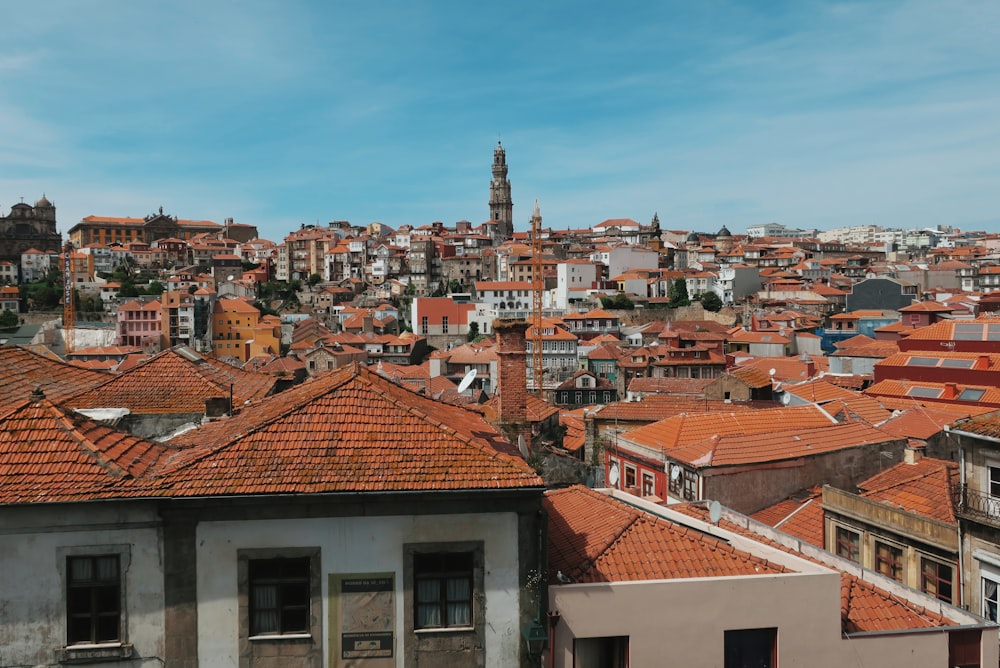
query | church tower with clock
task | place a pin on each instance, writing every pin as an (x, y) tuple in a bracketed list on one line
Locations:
[(501, 206)]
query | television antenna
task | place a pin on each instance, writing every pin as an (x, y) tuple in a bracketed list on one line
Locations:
[(467, 381)]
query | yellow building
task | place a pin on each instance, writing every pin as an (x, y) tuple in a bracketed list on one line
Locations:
[(239, 330), (107, 231)]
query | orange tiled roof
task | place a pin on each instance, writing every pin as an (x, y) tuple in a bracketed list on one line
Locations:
[(672, 386), (685, 429), (819, 391), (50, 455), (926, 487), (858, 407), (800, 515), (595, 538), (736, 449), (347, 431), (655, 407), (23, 371), (175, 381)]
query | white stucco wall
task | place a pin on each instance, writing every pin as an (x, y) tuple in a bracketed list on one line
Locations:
[(32, 567), (355, 545)]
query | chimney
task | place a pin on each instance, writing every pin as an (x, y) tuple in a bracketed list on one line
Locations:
[(513, 381), (913, 453), (368, 324), (950, 391), (984, 362)]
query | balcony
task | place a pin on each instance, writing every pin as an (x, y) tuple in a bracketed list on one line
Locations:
[(977, 506)]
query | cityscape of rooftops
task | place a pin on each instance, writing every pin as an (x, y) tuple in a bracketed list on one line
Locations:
[(815, 115)]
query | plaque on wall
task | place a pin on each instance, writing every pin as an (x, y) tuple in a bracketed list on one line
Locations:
[(362, 620)]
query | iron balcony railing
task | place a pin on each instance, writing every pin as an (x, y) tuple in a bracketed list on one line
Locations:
[(976, 505)]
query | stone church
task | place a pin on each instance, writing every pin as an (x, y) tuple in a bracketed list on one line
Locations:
[(28, 227)]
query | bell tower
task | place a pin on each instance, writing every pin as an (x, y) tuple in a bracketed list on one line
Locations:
[(501, 206)]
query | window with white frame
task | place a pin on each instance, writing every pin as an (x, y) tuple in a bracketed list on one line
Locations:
[(993, 479), (991, 585)]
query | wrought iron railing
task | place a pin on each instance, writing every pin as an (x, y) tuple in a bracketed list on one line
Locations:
[(977, 505)]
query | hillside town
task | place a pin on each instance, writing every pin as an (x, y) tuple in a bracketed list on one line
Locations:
[(473, 444)]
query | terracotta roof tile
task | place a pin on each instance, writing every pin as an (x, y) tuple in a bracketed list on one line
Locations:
[(686, 429), (50, 455), (177, 380), (595, 538), (23, 371), (926, 487), (800, 515), (347, 431)]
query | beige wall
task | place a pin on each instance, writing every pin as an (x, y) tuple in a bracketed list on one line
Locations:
[(682, 622)]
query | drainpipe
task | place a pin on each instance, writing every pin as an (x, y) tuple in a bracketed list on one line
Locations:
[(961, 540)]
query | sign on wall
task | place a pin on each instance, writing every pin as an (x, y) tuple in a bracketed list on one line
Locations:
[(362, 620)]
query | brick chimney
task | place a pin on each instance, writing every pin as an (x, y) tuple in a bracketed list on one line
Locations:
[(950, 391), (513, 369), (913, 453)]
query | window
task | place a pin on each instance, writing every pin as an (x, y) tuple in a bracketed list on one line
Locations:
[(848, 544), (751, 648), (423, 324), (609, 652), (444, 324), (690, 485), (93, 599), (279, 596), (990, 599), (647, 484), (994, 480), (889, 560), (629, 476), (443, 589), (936, 579)]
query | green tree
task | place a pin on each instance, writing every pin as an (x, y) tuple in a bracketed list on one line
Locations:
[(711, 302), (473, 331), (155, 288), (678, 294), (314, 279), (8, 319), (620, 302)]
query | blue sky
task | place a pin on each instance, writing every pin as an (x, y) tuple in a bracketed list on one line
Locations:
[(811, 114)]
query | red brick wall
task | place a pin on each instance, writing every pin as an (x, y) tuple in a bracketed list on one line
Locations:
[(512, 388)]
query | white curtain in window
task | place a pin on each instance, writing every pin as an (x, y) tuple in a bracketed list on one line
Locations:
[(428, 610), (459, 610), (990, 600), (265, 604)]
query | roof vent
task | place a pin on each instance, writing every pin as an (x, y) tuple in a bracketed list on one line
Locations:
[(37, 394)]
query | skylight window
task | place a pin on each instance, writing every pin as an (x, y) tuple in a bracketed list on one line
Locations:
[(971, 394), (923, 361), (924, 392), (957, 364)]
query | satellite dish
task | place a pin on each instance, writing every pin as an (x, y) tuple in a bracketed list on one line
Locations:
[(613, 475), (230, 277), (714, 512), (772, 372), (786, 398), (522, 446), (467, 381), (675, 472)]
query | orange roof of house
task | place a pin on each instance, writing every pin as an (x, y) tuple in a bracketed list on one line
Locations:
[(347, 431), (49, 455), (596, 538), (859, 407), (787, 368), (945, 330), (926, 487), (819, 391), (685, 429), (23, 371), (934, 392), (800, 515), (735, 449), (175, 381), (655, 407), (672, 386)]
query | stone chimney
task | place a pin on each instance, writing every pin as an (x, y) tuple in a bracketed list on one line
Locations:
[(913, 453)]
